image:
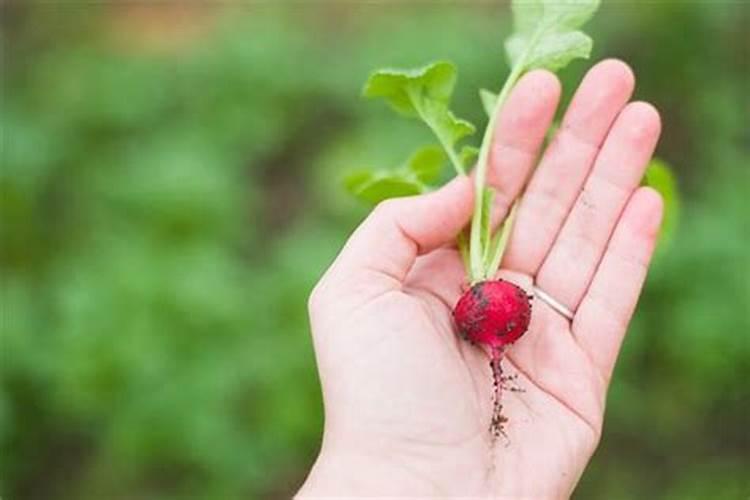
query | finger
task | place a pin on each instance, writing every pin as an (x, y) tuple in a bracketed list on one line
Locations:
[(605, 311), (384, 247), (519, 134), (571, 263), (563, 169)]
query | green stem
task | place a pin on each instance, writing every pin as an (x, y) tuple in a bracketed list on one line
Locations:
[(479, 270), (500, 242), (455, 160), (463, 248), (476, 252)]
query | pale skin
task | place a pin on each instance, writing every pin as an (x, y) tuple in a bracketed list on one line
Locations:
[(407, 403)]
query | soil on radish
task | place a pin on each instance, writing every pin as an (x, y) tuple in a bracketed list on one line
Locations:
[(500, 382), (497, 424)]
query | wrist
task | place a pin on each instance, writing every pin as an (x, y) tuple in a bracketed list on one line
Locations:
[(354, 470)]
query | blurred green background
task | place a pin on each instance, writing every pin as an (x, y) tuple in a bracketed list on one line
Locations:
[(171, 190)]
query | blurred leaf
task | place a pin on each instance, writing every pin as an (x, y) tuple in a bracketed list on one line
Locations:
[(356, 179), (469, 155), (373, 187), (660, 176)]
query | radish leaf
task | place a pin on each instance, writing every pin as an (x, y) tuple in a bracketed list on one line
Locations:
[(375, 186), (434, 82), (413, 177), (546, 33), (424, 93), (468, 156), (427, 163)]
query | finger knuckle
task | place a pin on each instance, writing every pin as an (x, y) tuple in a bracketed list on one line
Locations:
[(385, 208)]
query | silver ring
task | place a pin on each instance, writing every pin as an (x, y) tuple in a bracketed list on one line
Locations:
[(554, 304)]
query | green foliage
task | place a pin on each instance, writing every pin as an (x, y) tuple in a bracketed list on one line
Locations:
[(546, 33), (414, 177), (163, 216), (660, 176), (427, 164), (424, 93), (468, 155), (407, 90)]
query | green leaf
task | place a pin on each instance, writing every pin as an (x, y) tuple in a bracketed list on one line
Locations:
[(354, 180), (468, 156), (489, 99), (552, 52), (375, 186), (391, 186), (434, 82), (448, 128), (571, 14), (412, 177), (424, 93), (427, 163), (546, 33), (660, 176), (526, 14)]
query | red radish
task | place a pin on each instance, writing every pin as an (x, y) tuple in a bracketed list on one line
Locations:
[(494, 314)]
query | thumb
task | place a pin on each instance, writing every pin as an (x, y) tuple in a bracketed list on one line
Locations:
[(385, 246)]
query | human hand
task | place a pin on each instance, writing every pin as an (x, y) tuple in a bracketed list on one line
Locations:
[(407, 403)]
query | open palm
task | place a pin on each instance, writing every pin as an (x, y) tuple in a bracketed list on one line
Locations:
[(408, 404)]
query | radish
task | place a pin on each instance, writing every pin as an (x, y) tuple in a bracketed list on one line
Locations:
[(493, 313)]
